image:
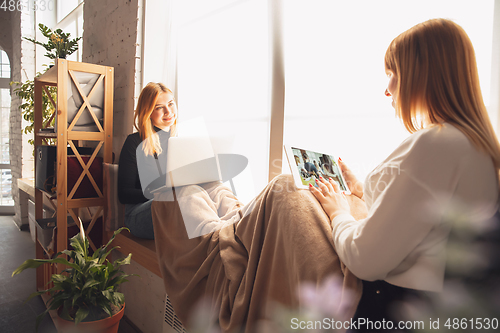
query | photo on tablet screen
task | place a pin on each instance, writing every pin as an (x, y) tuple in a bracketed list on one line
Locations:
[(311, 165)]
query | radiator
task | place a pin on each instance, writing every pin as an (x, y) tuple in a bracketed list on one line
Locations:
[(172, 323)]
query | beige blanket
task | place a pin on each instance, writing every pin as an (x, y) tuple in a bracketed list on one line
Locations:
[(246, 270)]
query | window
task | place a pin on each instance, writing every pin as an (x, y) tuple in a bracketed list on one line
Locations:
[(5, 104), (335, 79), (333, 63), (229, 45), (222, 66), (64, 7), (4, 65), (70, 20)]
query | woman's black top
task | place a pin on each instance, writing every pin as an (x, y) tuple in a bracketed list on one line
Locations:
[(129, 183)]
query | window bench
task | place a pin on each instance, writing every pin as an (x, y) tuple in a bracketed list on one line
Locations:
[(143, 250), (148, 307)]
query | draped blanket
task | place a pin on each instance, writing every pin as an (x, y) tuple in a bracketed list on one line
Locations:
[(243, 271)]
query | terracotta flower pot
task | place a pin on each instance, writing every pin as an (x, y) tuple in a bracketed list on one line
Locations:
[(106, 325)]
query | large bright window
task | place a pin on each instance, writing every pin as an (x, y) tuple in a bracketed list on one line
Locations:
[(335, 79), (222, 59), (222, 77)]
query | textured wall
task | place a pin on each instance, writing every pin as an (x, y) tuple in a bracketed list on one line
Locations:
[(111, 38), (6, 32), (23, 68)]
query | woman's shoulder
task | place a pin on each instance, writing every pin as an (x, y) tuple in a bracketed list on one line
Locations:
[(442, 135), (133, 137), (443, 140), (131, 143), (433, 148), (132, 140)]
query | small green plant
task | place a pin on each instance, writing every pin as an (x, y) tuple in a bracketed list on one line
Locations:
[(58, 45), (26, 91), (87, 289)]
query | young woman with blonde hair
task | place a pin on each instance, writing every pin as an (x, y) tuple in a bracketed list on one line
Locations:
[(143, 154), (448, 166)]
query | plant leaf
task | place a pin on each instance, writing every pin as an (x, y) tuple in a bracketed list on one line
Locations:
[(39, 319), (114, 235), (81, 314), (124, 261), (34, 263), (90, 284)]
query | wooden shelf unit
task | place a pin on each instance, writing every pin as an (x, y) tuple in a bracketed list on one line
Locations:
[(61, 75)]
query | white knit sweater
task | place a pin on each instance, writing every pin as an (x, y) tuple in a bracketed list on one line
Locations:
[(412, 197)]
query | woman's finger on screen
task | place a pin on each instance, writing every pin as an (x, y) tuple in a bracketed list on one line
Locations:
[(335, 186), (354, 185), (328, 183), (322, 186), (317, 193)]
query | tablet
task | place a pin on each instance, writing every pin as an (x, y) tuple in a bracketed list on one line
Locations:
[(308, 165)]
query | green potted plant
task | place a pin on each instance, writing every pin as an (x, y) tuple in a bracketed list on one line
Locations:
[(58, 45), (26, 91), (84, 294)]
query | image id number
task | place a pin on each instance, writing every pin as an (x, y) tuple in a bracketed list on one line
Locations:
[(472, 323), (26, 5)]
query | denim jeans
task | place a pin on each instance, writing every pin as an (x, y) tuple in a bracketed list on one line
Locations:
[(139, 220)]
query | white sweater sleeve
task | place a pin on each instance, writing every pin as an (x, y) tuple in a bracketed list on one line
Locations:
[(399, 220)]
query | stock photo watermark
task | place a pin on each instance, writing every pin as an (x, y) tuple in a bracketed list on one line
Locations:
[(26, 5)]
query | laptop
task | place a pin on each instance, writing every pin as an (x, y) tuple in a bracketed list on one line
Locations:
[(198, 160)]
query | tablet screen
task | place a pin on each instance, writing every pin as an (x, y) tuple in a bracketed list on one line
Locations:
[(311, 165)]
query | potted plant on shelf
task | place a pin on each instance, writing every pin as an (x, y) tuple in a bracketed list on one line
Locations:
[(85, 294), (26, 91), (58, 45)]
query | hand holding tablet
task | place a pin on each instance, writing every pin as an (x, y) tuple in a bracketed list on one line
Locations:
[(308, 165)]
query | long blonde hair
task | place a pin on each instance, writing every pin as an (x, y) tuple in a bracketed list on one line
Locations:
[(142, 121), (437, 78)]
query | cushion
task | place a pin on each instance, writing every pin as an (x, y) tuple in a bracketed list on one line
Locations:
[(85, 189)]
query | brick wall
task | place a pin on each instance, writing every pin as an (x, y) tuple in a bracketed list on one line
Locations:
[(5, 32), (112, 37), (23, 68)]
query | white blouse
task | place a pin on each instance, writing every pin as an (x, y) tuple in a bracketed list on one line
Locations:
[(411, 198)]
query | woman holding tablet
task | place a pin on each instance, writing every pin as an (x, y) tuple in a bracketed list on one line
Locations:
[(452, 159), (155, 119), (393, 231)]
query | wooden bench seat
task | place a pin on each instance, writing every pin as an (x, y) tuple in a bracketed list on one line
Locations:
[(143, 250)]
